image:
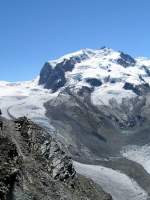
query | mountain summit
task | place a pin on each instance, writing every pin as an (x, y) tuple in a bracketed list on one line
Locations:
[(107, 72)]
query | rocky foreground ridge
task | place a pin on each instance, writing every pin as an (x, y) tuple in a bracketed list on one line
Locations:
[(33, 165)]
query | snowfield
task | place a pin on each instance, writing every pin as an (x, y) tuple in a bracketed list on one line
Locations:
[(25, 99), (107, 92), (102, 64), (119, 185)]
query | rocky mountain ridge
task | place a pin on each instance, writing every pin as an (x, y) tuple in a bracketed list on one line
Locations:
[(35, 166)]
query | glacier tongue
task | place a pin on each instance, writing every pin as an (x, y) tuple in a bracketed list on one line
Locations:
[(139, 154), (119, 185), (25, 99)]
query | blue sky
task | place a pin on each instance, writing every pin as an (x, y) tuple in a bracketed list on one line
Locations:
[(34, 31)]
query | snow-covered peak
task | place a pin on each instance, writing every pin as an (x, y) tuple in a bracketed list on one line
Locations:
[(85, 54), (103, 64), (143, 61), (80, 53), (110, 73)]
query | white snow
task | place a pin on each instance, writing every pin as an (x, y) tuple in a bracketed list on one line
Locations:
[(139, 154), (119, 185), (102, 95), (102, 65), (86, 52), (24, 99), (144, 61)]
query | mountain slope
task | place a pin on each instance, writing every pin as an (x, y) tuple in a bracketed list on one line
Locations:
[(35, 166)]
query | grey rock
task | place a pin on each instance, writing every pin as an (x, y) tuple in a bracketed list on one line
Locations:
[(54, 77), (137, 89), (126, 60), (94, 82), (34, 166)]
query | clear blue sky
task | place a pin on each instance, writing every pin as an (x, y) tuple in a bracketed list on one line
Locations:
[(34, 31)]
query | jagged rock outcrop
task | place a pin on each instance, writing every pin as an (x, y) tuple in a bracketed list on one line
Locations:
[(33, 166), (10, 165), (94, 82), (54, 77), (43, 146), (126, 60), (137, 89)]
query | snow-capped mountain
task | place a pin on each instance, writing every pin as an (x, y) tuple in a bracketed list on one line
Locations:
[(97, 102), (111, 77), (109, 73)]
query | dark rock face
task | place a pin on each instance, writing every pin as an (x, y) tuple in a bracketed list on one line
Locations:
[(147, 70), (10, 165), (126, 60), (94, 82), (84, 91), (45, 72), (137, 89), (34, 166), (128, 114), (54, 78)]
